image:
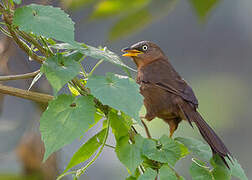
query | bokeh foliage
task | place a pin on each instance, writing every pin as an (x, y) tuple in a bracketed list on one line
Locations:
[(132, 16)]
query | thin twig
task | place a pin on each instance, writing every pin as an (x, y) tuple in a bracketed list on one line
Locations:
[(83, 71), (5, 32), (46, 45), (82, 170), (24, 46), (30, 39), (107, 145), (6, 3), (142, 168), (34, 96), (20, 76), (21, 44), (134, 129), (77, 82), (1, 7), (96, 65), (146, 129), (65, 174)]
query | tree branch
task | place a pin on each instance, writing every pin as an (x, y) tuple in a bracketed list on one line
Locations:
[(25, 47), (33, 41), (1, 7), (34, 96), (20, 43), (21, 76)]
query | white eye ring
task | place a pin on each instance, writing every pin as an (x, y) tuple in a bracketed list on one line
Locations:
[(145, 47)]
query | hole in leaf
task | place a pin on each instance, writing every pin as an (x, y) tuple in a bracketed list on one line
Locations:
[(73, 105), (62, 64), (159, 146), (109, 80), (34, 13)]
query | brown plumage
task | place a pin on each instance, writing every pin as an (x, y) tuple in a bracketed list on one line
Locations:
[(167, 95)]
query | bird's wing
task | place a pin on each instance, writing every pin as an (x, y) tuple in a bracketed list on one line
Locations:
[(161, 74), (184, 90)]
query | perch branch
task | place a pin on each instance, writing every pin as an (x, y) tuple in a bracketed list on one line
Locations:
[(21, 76), (34, 96)]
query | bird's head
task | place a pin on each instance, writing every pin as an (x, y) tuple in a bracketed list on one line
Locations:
[(143, 52)]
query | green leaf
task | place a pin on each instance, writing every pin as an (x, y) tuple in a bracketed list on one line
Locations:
[(166, 172), (65, 46), (119, 126), (130, 154), (135, 176), (199, 171), (197, 147), (104, 54), (46, 21), (236, 169), (119, 92), (184, 150), (86, 150), (167, 152), (131, 178), (149, 174), (130, 24), (113, 7), (202, 8), (96, 53), (97, 117), (220, 170), (65, 119), (75, 55), (59, 70)]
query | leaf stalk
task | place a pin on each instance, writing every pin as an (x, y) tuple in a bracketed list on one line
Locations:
[(82, 170)]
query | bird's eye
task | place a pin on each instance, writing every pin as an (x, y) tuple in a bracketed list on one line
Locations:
[(145, 47)]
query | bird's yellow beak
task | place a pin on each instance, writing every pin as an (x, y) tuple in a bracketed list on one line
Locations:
[(131, 52)]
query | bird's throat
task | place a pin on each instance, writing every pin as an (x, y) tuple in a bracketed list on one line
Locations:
[(140, 62)]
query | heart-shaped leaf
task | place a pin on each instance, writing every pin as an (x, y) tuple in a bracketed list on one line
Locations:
[(59, 70), (130, 154), (65, 119), (46, 21), (119, 92), (168, 152)]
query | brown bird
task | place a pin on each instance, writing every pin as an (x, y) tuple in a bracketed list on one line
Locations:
[(167, 95)]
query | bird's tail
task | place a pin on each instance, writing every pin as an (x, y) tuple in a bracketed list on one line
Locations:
[(207, 132)]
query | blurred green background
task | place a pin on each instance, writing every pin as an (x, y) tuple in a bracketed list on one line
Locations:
[(208, 42)]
